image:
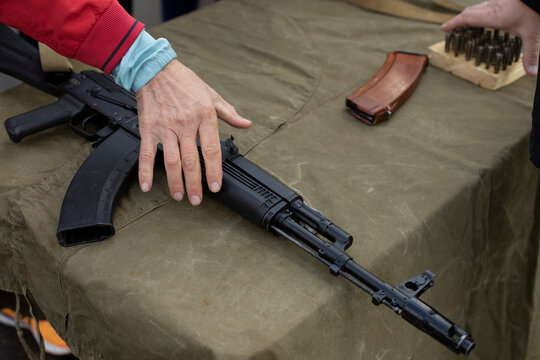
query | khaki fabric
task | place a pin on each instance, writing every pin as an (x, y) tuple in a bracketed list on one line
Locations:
[(444, 185), (51, 61), (405, 9)]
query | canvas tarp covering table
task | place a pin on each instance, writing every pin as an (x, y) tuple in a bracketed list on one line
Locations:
[(444, 185)]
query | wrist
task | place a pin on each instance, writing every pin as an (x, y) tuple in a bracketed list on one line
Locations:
[(145, 58)]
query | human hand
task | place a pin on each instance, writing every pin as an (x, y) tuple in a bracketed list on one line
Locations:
[(508, 15), (175, 108)]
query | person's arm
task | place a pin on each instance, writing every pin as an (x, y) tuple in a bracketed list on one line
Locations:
[(511, 15), (95, 32), (523, 19), (175, 106)]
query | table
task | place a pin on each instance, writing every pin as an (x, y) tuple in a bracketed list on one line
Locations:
[(444, 185)]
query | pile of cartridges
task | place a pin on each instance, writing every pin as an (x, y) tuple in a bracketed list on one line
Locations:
[(485, 46)]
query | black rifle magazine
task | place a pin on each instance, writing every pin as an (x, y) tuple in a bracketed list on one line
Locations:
[(86, 214)]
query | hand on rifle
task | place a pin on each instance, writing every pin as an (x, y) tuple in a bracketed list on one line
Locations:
[(175, 108), (508, 15)]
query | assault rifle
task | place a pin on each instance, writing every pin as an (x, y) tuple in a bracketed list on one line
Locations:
[(86, 214)]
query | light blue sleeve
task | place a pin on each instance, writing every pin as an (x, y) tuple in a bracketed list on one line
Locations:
[(144, 59)]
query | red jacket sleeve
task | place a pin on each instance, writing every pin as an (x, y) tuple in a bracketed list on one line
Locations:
[(96, 32)]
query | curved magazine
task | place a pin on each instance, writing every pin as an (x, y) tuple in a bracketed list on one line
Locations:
[(86, 214)]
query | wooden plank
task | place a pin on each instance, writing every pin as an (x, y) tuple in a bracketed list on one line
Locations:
[(479, 75)]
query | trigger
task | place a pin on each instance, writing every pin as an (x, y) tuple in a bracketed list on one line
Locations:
[(87, 119)]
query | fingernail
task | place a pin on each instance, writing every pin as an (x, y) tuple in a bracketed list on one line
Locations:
[(145, 187), (195, 200), (214, 187), (178, 196), (533, 69)]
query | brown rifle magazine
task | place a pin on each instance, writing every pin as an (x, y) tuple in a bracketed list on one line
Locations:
[(389, 88)]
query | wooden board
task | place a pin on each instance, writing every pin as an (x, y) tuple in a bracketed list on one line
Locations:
[(479, 75)]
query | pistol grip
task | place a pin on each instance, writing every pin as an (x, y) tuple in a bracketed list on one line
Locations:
[(43, 118)]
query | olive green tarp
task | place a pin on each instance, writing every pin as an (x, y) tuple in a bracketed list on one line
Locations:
[(444, 185)]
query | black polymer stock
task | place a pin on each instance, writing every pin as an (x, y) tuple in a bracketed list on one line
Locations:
[(91, 99)]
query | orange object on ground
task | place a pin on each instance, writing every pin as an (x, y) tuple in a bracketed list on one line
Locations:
[(53, 343)]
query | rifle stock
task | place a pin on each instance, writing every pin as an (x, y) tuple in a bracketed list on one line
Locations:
[(20, 59)]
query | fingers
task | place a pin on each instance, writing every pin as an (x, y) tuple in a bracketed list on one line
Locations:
[(191, 168), (211, 148), (528, 28), (147, 154), (227, 112), (148, 148), (531, 48), (182, 107), (173, 164), (181, 159), (185, 159), (486, 14)]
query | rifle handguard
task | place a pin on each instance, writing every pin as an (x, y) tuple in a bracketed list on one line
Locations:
[(391, 86)]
